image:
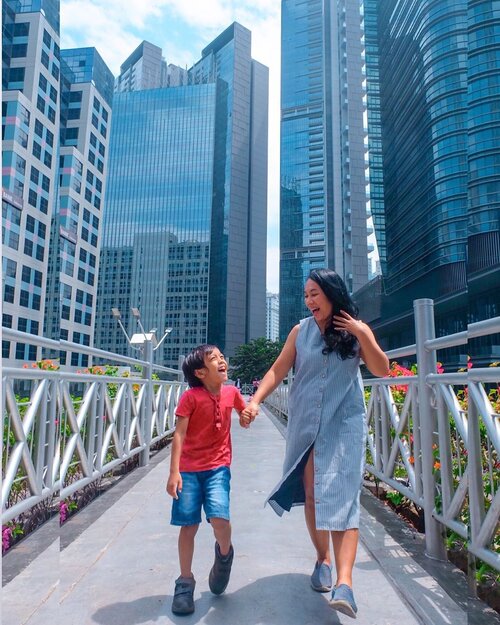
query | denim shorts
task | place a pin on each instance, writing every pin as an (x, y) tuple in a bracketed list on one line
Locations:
[(209, 489)]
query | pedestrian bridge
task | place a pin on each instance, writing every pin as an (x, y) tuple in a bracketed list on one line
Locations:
[(433, 438), (116, 561)]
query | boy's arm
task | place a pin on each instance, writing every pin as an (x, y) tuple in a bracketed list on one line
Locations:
[(240, 406), (174, 484)]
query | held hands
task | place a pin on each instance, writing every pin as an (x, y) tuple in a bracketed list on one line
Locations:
[(174, 484), (249, 413), (345, 322)]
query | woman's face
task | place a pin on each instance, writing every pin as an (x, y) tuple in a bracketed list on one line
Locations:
[(318, 303)]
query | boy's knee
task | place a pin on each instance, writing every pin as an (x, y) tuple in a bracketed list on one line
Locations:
[(219, 522), (189, 530)]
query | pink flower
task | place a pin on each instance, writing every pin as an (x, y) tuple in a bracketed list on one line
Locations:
[(63, 512), (6, 536)]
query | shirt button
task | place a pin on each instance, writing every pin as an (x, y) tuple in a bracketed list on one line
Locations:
[(317, 500)]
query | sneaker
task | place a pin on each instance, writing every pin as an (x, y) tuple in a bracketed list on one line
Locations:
[(343, 600), (321, 579), (183, 602), (221, 570)]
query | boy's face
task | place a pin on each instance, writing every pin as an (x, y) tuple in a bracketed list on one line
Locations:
[(214, 371)]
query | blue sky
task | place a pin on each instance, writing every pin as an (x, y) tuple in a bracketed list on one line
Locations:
[(182, 28)]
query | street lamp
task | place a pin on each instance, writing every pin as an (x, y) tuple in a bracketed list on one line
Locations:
[(139, 339), (117, 315), (148, 344)]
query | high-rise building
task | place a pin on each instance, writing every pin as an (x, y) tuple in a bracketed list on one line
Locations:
[(86, 100), (56, 114), (436, 69), (146, 68), (483, 183), (323, 187), (185, 225), (30, 130), (272, 316)]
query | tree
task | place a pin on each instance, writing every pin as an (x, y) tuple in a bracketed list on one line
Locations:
[(253, 359)]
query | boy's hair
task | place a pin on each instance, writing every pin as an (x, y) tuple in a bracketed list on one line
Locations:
[(196, 360)]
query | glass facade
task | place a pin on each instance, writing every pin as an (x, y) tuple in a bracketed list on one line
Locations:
[(483, 117), (156, 238), (374, 127), (187, 186), (439, 84), (423, 87), (322, 198)]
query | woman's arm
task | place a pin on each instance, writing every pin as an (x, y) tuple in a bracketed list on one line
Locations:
[(275, 375), (370, 351)]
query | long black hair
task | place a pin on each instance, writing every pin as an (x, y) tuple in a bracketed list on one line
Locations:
[(332, 285)]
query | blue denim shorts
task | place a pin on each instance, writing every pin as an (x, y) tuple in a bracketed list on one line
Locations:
[(209, 489)]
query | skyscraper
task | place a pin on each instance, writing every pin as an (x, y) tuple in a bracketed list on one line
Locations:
[(323, 197), (272, 316), (186, 205), (430, 94), (433, 116), (86, 100), (30, 129), (146, 68)]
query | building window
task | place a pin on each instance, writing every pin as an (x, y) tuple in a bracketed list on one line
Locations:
[(19, 50)]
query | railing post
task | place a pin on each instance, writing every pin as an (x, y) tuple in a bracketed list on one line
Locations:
[(476, 488), (426, 362), (147, 374)]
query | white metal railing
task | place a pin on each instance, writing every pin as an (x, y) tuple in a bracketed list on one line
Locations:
[(73, 428), (435, 438)]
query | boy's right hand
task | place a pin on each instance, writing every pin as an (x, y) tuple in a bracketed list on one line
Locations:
[(174, 484), (245, 421)]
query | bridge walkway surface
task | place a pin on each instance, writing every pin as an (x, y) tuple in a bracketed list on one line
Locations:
[(115, 562)]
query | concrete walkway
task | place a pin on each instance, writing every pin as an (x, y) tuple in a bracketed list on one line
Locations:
[(118, 566)]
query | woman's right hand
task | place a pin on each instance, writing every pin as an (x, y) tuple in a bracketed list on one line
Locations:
[(250, 411)]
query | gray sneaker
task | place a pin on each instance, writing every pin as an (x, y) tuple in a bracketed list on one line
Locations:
[(183, 602), (221, 570), (343, 600), (321, 579)]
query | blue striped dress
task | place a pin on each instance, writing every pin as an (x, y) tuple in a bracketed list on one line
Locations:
[(327, 413)]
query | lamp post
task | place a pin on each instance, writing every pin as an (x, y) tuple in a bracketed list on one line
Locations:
[(147, 343)]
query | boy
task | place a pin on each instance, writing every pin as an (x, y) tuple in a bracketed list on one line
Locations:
[(199, 468)]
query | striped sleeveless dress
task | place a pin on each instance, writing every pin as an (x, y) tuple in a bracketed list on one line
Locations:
[(326, 413)]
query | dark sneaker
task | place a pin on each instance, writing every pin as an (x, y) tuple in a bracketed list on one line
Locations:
[(321, 579), (183, 602), (343, 600), (221, 570)]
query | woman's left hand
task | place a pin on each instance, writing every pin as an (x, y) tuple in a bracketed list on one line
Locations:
[(345, 322)]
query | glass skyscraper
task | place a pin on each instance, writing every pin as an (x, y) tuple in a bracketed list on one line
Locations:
[(436, 67), (323, 208), (185, 228)]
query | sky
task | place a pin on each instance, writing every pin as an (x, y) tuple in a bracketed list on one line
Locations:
[(182, 28)]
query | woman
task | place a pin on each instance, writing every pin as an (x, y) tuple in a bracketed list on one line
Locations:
[(325, 447)]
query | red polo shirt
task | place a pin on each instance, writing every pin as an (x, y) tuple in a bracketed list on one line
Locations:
[(207, 444)]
